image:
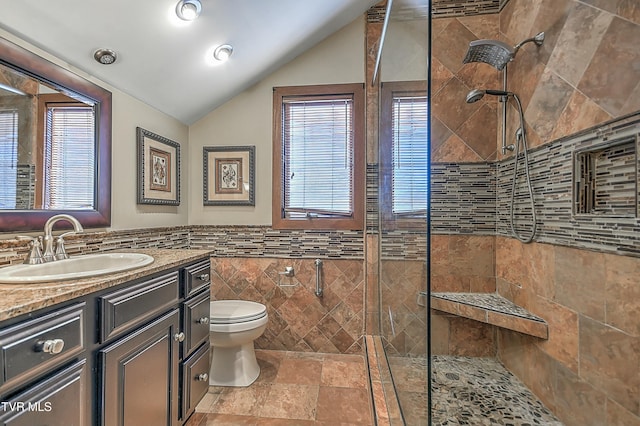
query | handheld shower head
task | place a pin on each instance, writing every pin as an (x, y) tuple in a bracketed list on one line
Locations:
[(476, 94)]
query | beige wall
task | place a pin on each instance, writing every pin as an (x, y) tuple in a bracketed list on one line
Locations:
[(128, 113), (247, 120), (244, 120)]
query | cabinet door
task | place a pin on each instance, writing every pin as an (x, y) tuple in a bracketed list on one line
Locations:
[(60, 400), (139, 375)]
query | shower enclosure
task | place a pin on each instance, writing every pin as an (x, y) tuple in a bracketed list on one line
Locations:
[(498, 329)]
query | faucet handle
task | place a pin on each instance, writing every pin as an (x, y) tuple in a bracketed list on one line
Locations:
[(35, 255), (60, 252)]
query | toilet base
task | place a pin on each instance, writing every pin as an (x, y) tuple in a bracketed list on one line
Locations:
[(233, 366)]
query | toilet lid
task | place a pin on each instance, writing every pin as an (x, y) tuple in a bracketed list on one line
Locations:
[(235, 311)]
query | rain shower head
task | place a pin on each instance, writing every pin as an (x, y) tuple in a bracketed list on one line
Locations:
[(492, 52), (496, 53), (476, 94)]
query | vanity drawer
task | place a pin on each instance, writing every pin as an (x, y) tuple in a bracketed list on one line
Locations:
[(195, 321), (195, 379), (36, 346), (59, 400), (123, 309), (196, 277)]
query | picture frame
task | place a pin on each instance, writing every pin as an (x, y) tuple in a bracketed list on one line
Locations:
[(229, 175), (158, 161)]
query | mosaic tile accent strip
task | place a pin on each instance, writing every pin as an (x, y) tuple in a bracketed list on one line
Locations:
[(551, 168), (263, 241), (480, 391), (403, 245), (456, 8), (373, 216), (13, 251), (223, 241), (376, 14), (25, 186), (463, 198), (439, 9), (298, 319)]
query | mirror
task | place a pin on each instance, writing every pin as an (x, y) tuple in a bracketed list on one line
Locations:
[(45, 170)]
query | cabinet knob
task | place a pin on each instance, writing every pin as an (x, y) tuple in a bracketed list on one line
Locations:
[(204, 277), (202, 377), (203, 320), (51, 346), (179, 337)]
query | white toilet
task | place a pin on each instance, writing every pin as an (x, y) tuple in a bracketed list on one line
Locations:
[(233, 326)]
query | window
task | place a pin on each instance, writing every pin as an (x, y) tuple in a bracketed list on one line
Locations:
[(404, 158), (8, 158), (318, 157), (69, 147)]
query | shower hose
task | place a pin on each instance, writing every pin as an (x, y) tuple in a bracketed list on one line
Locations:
[(521, 138)]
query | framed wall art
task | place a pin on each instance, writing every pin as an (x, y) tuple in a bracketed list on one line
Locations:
[(229, 175), (158, 169)]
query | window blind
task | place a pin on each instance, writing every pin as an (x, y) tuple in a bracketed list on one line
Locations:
[(8, 158), (410, 155), (318, 157), (69, 157)]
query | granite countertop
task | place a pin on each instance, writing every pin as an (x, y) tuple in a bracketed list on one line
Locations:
[(18, 299)]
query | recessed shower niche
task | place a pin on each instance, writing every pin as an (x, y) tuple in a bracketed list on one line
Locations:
[(606, 178)]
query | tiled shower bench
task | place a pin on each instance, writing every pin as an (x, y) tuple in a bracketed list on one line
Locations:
[(491, 308)]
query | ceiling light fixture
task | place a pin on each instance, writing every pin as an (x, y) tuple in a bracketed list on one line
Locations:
[(105, 56), (188, 10), (223, 52)]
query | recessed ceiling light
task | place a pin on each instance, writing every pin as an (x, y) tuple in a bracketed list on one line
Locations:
[(223, 52), (105, 56), (188, 10)]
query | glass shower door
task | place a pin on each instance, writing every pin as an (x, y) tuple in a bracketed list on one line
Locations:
[(403, 195)]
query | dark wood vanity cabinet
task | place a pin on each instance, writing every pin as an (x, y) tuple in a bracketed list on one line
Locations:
[(139, 375), (135, 354)]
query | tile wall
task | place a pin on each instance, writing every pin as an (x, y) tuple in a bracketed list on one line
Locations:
[(298, 319), (583, 282), (246, 261)]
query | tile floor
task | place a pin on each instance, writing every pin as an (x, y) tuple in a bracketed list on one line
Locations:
[(471, 391), (294, 388)]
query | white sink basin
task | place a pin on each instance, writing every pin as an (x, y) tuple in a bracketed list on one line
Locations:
[(89, 265)]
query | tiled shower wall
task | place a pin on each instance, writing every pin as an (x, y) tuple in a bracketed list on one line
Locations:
[(584, 74)]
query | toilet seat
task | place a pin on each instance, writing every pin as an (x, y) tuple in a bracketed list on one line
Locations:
[(236, 311)]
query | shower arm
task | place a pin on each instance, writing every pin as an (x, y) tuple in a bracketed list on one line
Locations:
[(538, 39)]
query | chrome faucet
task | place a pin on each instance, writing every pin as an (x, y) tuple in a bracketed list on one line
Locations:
[(49, 254)]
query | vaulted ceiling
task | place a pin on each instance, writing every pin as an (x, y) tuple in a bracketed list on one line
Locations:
[(164, 61)]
